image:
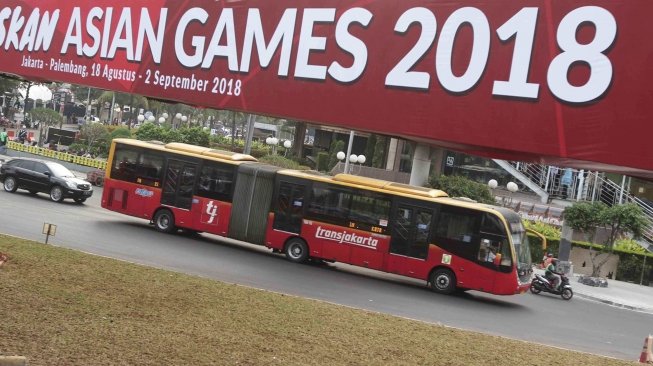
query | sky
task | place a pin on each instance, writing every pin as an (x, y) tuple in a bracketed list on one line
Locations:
[(38, 92)]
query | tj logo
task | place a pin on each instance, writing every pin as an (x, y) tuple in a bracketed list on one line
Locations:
[(210, 213)]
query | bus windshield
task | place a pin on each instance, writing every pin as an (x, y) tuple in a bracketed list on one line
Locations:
[(522, 249)]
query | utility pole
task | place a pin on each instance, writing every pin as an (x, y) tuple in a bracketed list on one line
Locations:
[(250, 133)]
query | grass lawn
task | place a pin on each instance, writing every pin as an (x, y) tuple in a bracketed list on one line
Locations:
[(62, 307)]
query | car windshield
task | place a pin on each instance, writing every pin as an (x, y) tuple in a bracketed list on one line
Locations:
[(59, 170)]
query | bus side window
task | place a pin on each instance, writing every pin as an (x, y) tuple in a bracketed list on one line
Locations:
[(457, 231), (216, 182), (149, 168)]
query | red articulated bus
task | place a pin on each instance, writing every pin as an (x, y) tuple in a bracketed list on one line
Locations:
[(411, 231)]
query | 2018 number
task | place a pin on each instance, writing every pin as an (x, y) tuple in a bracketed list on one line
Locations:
[(522, 27)]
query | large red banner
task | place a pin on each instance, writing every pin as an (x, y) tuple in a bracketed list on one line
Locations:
[(562, 81)]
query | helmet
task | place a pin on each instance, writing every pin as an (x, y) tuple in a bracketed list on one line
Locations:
[(549, 255)]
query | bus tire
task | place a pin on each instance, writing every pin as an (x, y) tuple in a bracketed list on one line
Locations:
[(443, 281), (164, 221), (296, 250)]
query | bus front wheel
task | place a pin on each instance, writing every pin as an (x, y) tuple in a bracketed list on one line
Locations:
[(164, 221), (296, 250), (443, 281)]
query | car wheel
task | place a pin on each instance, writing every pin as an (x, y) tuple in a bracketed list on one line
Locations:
[(10, 184), (56, 194), (99, 182), (79, 200), (296, 250), (443, 281), (164, 221)]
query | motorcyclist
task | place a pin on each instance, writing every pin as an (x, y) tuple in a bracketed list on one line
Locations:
[(553, 275), (22, 134), (547, 260)]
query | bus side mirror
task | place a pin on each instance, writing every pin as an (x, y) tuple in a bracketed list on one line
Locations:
[(497, 260)]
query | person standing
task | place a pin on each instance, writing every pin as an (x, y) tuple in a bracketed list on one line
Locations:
[(22, 134), (3, 141), (565, 182)]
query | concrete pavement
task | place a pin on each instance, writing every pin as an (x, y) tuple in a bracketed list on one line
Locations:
[(620, 294)]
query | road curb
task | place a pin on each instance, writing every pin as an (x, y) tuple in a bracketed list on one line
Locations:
[(614, 303)]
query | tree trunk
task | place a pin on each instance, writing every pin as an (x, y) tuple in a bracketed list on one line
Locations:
[(233, 130), (298, 141)]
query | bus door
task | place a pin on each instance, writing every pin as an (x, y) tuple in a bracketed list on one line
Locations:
[(410, 238), (289, 208), (178, 184)]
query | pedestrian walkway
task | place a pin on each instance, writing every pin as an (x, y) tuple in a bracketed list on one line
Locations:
[(621, 294)]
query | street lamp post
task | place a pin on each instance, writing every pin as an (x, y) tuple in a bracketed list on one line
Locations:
[(177, 118), (353, 159), (272, 142), (512, 188), (287, 144)]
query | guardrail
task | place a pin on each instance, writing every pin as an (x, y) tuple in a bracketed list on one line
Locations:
[(59, 155)]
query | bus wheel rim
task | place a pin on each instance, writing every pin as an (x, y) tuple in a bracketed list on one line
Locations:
[(164, 221), (296, 250), (442, 281)]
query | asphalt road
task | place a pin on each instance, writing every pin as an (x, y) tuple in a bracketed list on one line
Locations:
[(578, 324)]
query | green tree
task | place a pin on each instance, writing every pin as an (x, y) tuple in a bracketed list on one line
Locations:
[(585, 217), (370, 146), (151, 132), (92, 133), (620, 221), (379, 152), (458, 186), (195, 136), (46, 116), (336, 145), (8, 84)]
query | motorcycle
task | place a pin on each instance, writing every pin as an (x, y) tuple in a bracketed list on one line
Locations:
[(540, 283)]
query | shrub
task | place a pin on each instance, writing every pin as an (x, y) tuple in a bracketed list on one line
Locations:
[(322, 161), (336, 146), (631, 266), (457, 186), (282, 162), (545, 229)]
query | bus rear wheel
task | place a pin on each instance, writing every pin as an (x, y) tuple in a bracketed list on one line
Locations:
[(164, 221), (296, 250), (443, 281)]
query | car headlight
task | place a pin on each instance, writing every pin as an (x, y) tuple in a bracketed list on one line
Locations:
[(71, 185)]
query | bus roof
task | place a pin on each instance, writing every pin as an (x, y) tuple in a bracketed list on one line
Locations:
[(188, 150), (399, 189), (369, 183)]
